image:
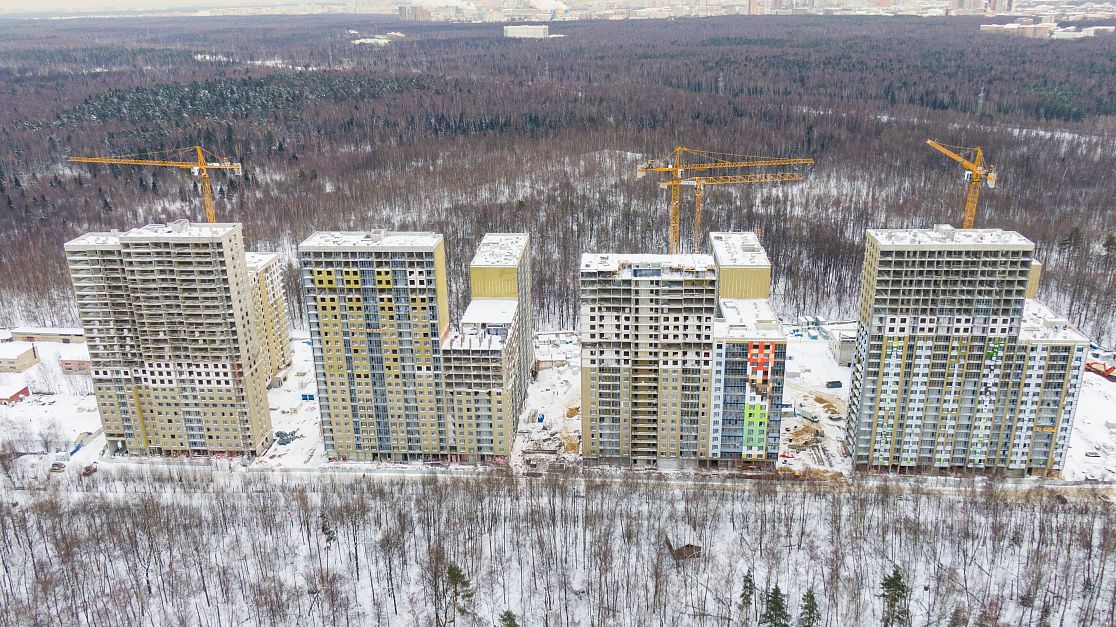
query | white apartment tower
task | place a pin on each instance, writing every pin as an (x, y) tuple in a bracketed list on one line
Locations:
[(955, 367), (169, 320), (376, 302)]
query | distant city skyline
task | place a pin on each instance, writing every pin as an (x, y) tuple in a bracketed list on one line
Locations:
[(95, 6)]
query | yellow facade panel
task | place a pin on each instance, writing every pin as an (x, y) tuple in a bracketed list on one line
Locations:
[(441, 288), (1033, 280), (494, 281), (744, 282)]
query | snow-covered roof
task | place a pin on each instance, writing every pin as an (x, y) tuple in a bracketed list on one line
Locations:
[(501, 249), (11, 388), (379, 239), (613, 263), (738, 249), (490, 311), (14, 350), (944, 236), (259, 261), (747, 319), (180, 229), (51, 331), (1039, 324), (73, 352), (177, 230)]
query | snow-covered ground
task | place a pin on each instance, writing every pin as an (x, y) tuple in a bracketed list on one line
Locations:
[(291, 414), (814, 434), (555, 399), (1094, 432), (813, 430)]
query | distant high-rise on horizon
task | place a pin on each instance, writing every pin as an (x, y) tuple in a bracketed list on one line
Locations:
[(174, 343), (956, 367)]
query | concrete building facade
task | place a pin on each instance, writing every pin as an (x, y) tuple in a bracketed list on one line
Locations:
[(682, 358), (266, 276), (490, 356), (168, 317), (17, 356), (955, 368), (377, 306), (48, 334)]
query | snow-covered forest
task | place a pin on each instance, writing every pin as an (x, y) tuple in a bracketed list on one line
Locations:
[(154, 546), (454, 129)]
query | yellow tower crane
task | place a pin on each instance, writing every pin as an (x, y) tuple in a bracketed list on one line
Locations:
[(676, 166), (977, 173), (199, 167)]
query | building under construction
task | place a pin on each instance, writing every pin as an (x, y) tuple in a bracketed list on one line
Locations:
[(395, 380), (956, 366), (176, 349), (682, 357)]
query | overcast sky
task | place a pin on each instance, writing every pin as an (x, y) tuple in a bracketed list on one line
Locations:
[(74, 6)]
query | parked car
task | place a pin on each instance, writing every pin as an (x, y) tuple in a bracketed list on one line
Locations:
[(57, 466), (89, 470), (832, 384), (1092, 454)]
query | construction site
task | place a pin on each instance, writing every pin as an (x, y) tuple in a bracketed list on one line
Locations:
[(680, 362)]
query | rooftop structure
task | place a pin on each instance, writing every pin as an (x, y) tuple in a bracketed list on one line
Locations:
[(1039, 324), (177, 231), (748, 318), (490, 311), (743, 269), (946, 237), (739, 249), (378, 239), (259, 261), (501, 249), (13, 350), (617, 262)]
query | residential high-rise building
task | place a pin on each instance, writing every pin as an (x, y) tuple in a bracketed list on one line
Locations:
[(376, 303), (501, 268), (955, 367), (266, 276), (488, 358), (682, 357), (483, 390), (749, 359), (174, 348)]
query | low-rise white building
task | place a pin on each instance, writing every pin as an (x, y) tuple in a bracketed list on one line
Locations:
[(527, 31)]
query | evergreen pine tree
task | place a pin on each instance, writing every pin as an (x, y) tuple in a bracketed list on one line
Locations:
[(896, 595), (810, 615), (507, 619), (747, 594), (775, 612), (461, 588)]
